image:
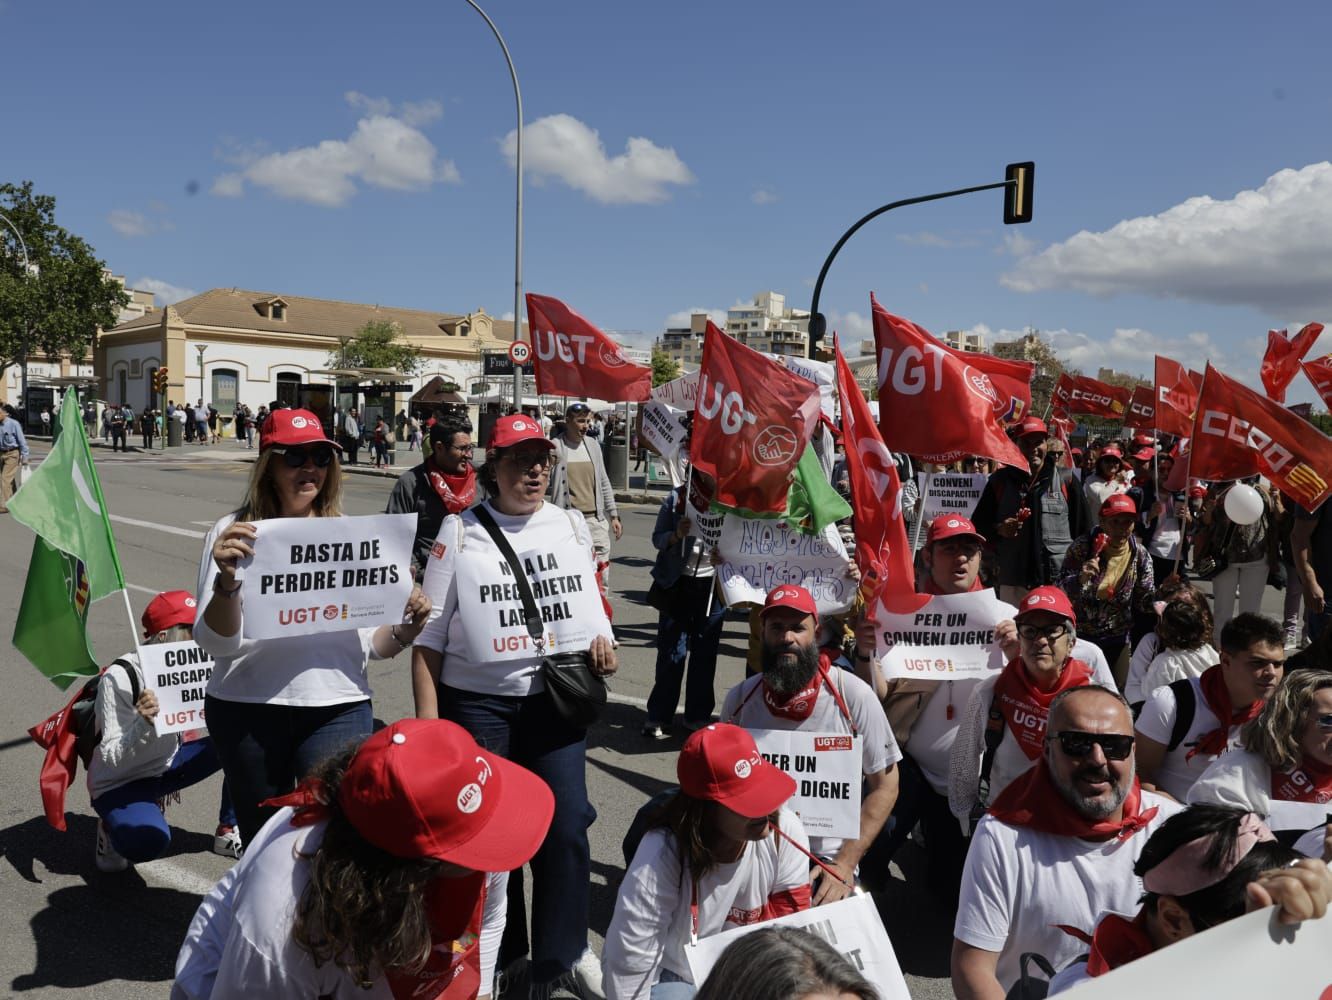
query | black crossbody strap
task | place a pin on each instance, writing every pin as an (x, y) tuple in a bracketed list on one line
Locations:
[(531, 614)]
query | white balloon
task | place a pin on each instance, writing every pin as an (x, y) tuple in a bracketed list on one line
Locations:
[(1243, 504)]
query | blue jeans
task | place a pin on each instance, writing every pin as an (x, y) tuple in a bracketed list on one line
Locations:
[(527, 731), (675, 643), (672, 987), (267, 749), (135, 824)]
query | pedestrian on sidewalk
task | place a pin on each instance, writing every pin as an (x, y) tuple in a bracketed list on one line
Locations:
[(13, 451), (119, 427)]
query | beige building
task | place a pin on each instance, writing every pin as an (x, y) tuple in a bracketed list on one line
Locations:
[(765, 325)]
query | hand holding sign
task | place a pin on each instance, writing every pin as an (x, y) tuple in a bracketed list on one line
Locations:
[(233, 546)]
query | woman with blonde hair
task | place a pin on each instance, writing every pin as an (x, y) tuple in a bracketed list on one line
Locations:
[(277, 707), (1284, 771)]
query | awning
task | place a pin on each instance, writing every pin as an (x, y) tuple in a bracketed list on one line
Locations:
[(433, 393)]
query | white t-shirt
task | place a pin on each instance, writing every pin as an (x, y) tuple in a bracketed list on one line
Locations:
[(1143, 654), (745, 707), (239, 943), (1173, 665), (1019, 883), (651, 924), (462, 537), (933, 735), (1244, 779), (1157, 720), (310, 671), (130, 748)]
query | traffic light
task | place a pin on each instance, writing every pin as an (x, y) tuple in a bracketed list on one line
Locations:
[(1021, 181), (160, 378)]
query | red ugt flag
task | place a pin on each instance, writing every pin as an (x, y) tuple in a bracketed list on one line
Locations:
[(1141, 413), (882, 552), (933, 403), (752, 420), (1239, 433), (1281, 363), (1080, 394), (1319, 372), (1176, 397), (573, 358)]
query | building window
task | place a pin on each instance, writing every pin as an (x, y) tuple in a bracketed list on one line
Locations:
[(288, 388), (279, 313), (225, 382)]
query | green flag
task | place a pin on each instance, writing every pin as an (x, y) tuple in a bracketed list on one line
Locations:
[(52, 626), (812, 504), (62, 502)]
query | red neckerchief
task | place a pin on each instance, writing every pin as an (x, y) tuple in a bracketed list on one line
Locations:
[(1214, 692), (1116, 941), (1033, 801), (799, 706), (1309, 782), (1025, 707), (930, 587), (457, 492)]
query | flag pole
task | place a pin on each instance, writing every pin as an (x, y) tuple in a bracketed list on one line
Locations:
[(920, 517)]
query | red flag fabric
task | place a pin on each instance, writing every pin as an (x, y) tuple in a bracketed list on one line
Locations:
[(57, 736), (1011, 379), (1239, 433), (882, 551), (1061, 427), (933, 403), (1141, 413), (752, 420), (572, 357), (1176, 397), (1082, 394), (1319, 372), (1281, 363)]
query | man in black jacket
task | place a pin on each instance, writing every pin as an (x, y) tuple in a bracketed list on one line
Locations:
[(445, 483), (1031, 515)]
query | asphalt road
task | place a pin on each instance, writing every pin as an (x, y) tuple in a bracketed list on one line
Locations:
[(69, 930)]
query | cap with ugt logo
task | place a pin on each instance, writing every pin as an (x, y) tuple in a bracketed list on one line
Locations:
[(950, 526), (515, 429), (423, 788), (169, 608), (1048, 599), (721, 763), (293, 427), (789, 595)]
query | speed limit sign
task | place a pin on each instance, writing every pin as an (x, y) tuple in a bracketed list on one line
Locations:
[(520, 352)]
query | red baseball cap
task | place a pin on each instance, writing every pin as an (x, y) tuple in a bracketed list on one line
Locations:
[(171, 607), (789, 595), (720, 763), (1118, 503), (423, 788), (1110, 451), (1050, 599), (517, 428), (1144, 454), (1076, 452), (293, 427), (949, 526), (1144, 439), (1030, 425), (1197, 492)]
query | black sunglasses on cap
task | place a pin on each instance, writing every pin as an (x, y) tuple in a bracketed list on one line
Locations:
[(296, 456), (1114, 745)]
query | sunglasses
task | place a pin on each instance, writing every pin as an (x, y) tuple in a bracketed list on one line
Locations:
[(531, 459), (1113, 745), (296, 457), (1033, 632)]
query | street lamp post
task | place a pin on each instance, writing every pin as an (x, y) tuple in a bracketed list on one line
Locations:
[(518, 211), (201, 348), (30, 270)]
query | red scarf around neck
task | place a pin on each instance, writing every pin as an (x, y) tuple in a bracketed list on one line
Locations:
[(1306, 782), (798, 706), (1116, 941), (1025, 707), (1217, 697), (457, 492), (1033, 801)]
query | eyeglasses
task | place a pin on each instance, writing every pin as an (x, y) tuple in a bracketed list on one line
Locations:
[(466, 449), (531, 459), (1033, 632), (297, 456), (1114, 745), (1324, 721), (968, 549)]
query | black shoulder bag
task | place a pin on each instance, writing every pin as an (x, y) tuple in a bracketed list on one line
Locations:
[(577, 694)]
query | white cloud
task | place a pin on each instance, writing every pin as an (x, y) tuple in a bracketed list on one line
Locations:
[(851, 328), (1017, 244), (562, 147), (507, 315), (1265, 248), (1127, 349), (166, 293), (680, 319), (763, 196), (385, 151), (128, 223)]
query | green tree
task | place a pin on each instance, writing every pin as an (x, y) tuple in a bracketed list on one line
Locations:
[(59, 308), (664, 367), (377, 345)]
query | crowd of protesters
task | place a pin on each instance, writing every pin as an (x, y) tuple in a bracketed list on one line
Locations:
[(1145, 764)]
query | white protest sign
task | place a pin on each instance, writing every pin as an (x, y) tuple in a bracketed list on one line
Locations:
[(1251, 956), (850, 925), (761, 553), (826, 768), (662, 429), (325, 574), (681, 393), (177, 672), (949, 638), (1302, 825), (950, 492), (704, 522), (819, 372)]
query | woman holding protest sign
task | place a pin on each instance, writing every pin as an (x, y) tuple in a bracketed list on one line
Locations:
[(277, 707), (479, 664)]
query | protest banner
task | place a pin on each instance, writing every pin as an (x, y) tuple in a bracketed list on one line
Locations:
[(819, 372), (325, 574), (850, 925), (759, 554), (661, 428), (681, 393), (1251, 956), (950, 492), (826, 769), (177, 672), (951, 637)]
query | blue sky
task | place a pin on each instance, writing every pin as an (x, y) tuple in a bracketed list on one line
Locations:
[(689, 155)]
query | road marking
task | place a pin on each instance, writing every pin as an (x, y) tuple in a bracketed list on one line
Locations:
[(142, 590), (206, 524), (169, 529), (176, 876), (626, 699)]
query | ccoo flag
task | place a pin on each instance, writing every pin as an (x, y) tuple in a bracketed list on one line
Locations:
[(572, 357), (1319, 372), (1082, 394), (1281, 363)]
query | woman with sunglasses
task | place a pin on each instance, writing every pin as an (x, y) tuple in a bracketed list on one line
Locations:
[(477, 664), (1283, 772), (278, 707)]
